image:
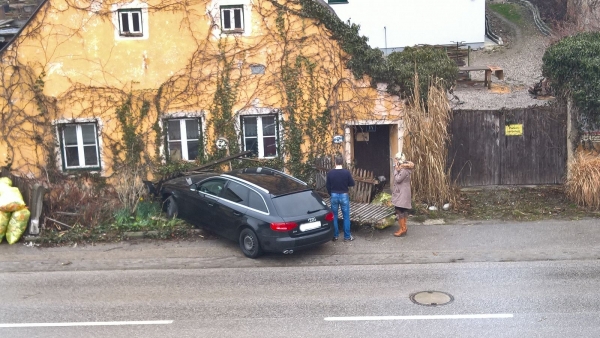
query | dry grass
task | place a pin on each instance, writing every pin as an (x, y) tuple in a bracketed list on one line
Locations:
[(129, 186), (426, 143), (583, 180)]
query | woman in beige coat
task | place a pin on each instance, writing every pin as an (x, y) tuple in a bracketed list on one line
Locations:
[(401, 195)]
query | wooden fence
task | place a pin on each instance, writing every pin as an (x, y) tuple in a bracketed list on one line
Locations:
[(509, 147), (364, 179)]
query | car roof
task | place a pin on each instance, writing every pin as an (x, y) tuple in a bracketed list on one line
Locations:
[(182, 180), (276, 182)]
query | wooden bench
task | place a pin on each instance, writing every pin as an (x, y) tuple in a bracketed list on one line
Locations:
[(464, 74)]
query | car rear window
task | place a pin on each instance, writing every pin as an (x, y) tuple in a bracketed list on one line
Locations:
[(256, 202), (298, 204)]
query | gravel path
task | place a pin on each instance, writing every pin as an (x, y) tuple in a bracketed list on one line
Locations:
[(521, 59)]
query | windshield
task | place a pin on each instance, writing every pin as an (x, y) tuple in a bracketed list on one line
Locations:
[(298, 204)]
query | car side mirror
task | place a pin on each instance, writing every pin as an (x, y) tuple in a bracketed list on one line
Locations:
[(194, 187)]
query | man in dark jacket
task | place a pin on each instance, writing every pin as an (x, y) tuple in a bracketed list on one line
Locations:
[(339, 180)]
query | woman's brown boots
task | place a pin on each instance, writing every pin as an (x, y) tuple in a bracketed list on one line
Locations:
[(402, 230)]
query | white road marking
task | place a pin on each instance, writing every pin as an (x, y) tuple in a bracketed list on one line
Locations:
[(478, 316), (150, 322)]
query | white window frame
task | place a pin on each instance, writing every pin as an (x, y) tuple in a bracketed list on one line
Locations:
[(214, 11), (135, 5), (60, 149), (235, 11), (183, 132), (200, 115), (129, 12), (259, 113)]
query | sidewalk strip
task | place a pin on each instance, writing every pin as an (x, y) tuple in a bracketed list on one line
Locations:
[(151, 322), (477, 316)]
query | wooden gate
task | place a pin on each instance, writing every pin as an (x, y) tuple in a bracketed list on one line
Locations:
[(509, 147), (364, 180)]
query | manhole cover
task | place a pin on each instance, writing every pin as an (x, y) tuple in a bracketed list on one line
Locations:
[(431, 298)]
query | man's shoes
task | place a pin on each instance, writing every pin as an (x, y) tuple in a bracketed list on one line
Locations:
[(349, 239), (334, 239)]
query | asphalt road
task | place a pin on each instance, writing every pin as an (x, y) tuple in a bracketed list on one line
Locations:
[(536, 279), (513, 299), (425, 244)]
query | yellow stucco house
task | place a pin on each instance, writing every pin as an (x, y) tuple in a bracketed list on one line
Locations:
[(89, 84)]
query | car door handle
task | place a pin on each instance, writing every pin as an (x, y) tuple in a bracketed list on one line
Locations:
[(235, 213), (210, 204)]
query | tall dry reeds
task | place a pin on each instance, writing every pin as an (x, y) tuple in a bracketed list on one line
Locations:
[(426, 144), (583, 180)]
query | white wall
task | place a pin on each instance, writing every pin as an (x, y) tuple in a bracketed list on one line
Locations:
[(413, 22)]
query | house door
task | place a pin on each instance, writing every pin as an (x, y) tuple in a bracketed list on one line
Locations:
[(372, 149)]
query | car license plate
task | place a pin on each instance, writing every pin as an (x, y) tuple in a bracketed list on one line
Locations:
[(310, 226)]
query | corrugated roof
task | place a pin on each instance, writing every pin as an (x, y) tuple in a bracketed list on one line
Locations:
[(5, 22), (37, 9), (9, 31)]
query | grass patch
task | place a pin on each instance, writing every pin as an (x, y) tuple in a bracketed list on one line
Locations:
[(521, 204), (509, 11)]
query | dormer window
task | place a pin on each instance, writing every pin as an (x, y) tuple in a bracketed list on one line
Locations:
[(130, 22), (232, 19)]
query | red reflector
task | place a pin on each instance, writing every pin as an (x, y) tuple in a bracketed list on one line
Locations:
[(283, 226), (329, 217)]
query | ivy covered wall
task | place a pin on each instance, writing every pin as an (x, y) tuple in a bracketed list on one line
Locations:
[(69, 66)]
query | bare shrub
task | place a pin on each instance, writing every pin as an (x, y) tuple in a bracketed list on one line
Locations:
[(129, 186), (564, 29), (583, 180), (427, 145), (84, 200)]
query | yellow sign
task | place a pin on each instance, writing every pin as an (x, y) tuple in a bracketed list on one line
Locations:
[(514, 130)]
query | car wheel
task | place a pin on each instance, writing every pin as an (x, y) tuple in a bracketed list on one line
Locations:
[(171, 208), (249, 243)]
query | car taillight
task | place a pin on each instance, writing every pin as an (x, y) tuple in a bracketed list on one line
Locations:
[(329, 217), (283, 226)]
